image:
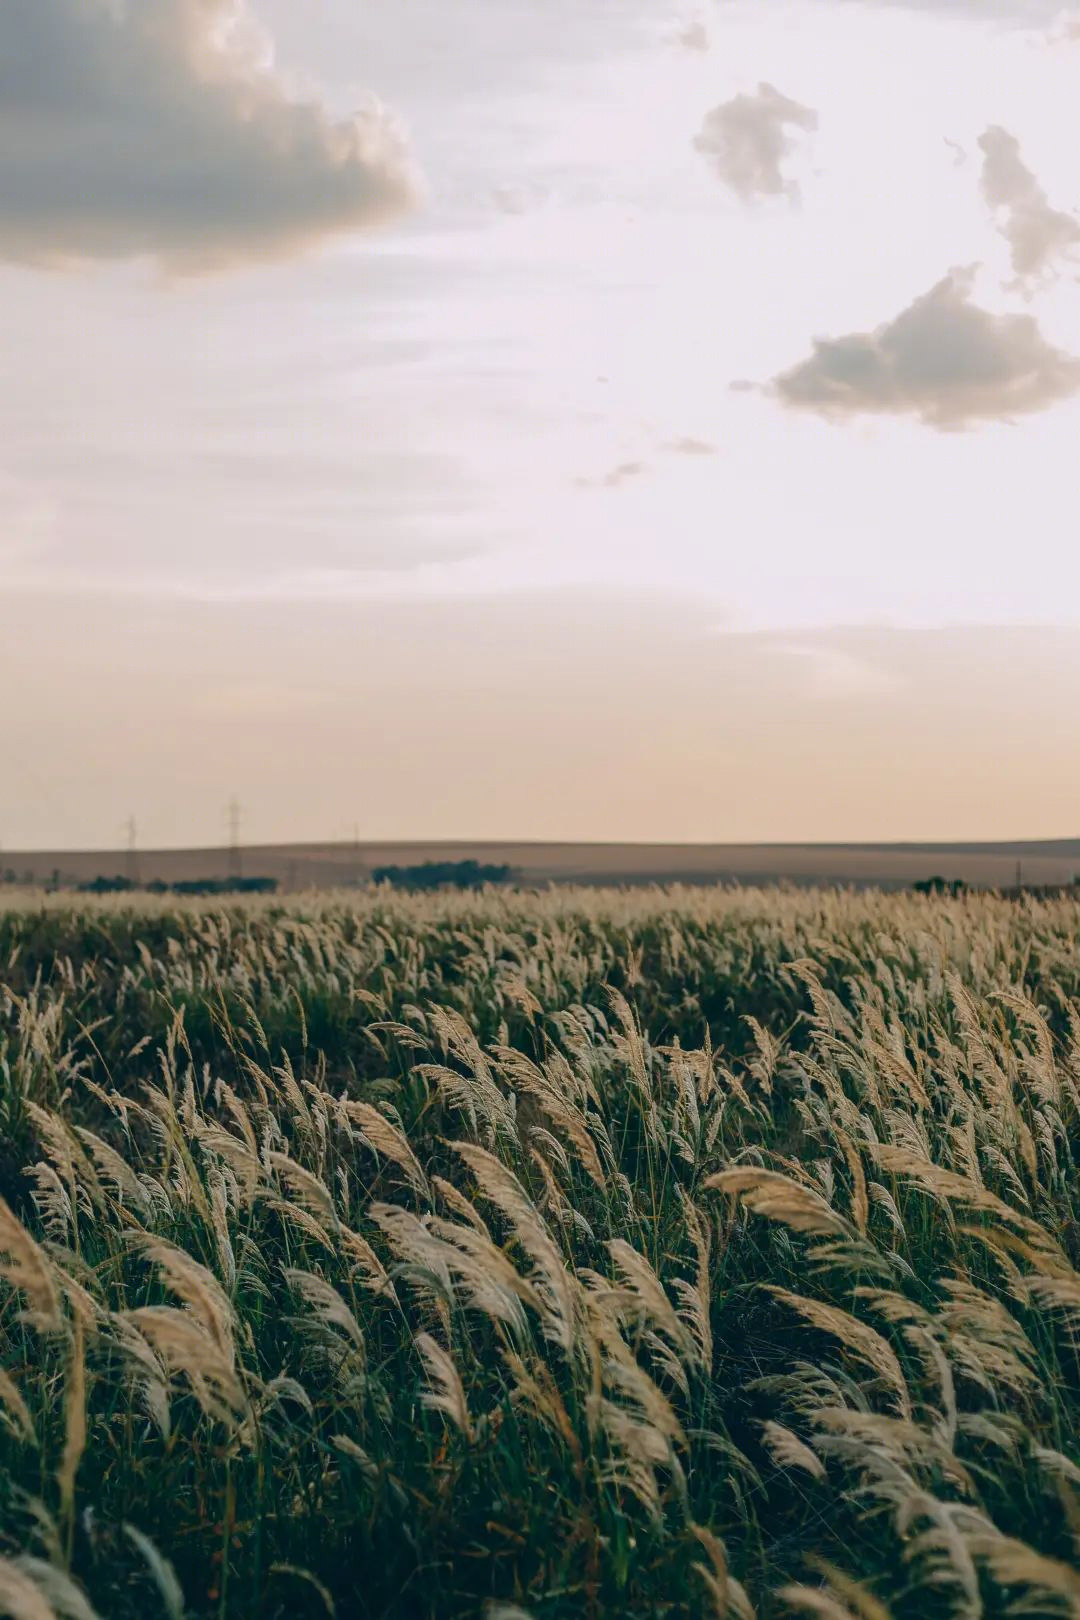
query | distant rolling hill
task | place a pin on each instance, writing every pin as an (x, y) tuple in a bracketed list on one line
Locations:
[(301, 866)]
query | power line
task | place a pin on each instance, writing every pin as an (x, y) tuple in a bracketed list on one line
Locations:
[(132, 862), (236, 861)]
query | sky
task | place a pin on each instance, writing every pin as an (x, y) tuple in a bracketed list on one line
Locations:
[(557, 419)]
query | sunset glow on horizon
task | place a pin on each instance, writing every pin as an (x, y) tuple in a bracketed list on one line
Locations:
[(552, 419)]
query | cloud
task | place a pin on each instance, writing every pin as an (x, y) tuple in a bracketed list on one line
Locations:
[(829, 672), (689, 446), (1036, 233), (746, 140), (622, 474), (943, 359), (694, 35), (131, 127)]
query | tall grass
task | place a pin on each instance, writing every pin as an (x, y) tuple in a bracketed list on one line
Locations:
[(670, 1253)]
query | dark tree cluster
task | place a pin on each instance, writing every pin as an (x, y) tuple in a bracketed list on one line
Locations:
[(443, 875), (940, 885), (192, 886)]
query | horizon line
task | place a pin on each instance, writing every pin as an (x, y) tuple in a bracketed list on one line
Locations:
[(354, 844)]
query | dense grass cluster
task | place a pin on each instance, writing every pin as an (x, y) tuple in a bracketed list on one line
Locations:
[(674, 1254)]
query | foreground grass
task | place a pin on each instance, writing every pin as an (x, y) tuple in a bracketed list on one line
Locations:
[(660, 1254)]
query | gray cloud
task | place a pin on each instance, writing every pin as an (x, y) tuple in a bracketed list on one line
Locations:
[(695, 35), (622, 474), (943, 359), (747, 140), (1036, 233), (629, 470), (689, 446), (132, 127)]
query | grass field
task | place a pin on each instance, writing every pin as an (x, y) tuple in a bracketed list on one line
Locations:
[(686, 1253)]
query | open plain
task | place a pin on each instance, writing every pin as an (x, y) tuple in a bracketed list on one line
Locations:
[(302, 866)]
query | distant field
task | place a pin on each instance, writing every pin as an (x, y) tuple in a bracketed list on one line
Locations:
[(304, 866)]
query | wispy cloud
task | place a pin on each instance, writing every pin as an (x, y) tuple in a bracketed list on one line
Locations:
[(944, 359), (747, 141), (132, 127), (831, 672), (689, 446), (622, 474), (1037, 234), (1067, 32)]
